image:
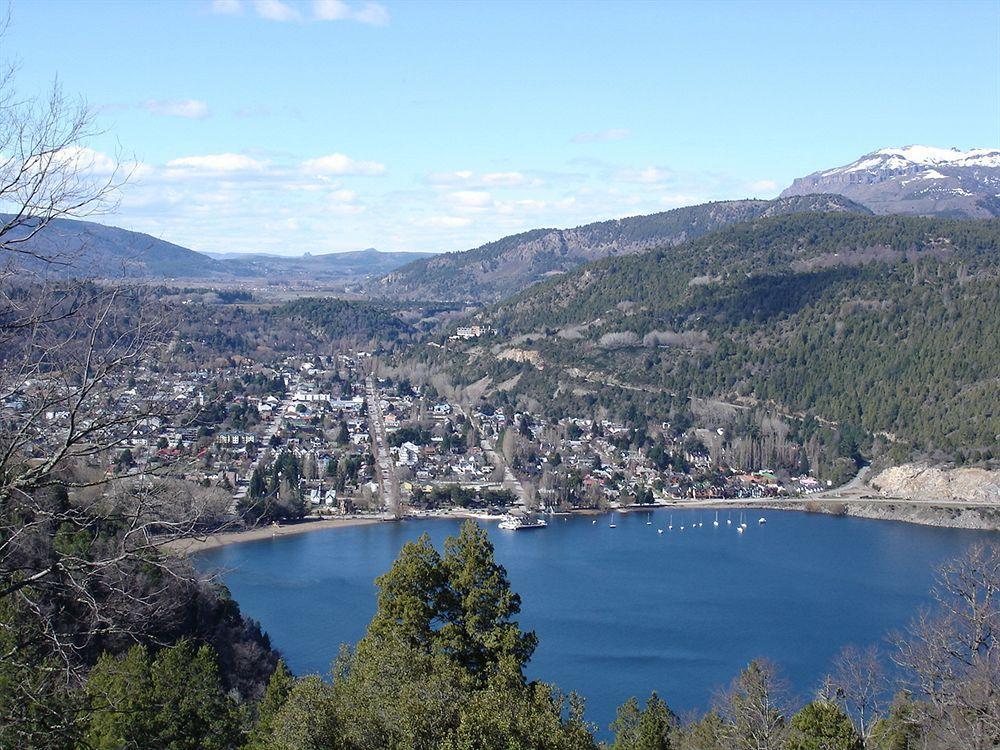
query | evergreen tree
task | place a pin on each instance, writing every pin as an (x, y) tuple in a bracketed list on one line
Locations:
[(822, 725), (648, 728), (174, 700)]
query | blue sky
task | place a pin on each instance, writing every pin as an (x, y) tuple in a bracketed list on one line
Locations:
[(326, 126)]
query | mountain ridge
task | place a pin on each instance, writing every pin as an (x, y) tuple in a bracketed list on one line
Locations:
[(72, 248), (915, 180), (505, 266)]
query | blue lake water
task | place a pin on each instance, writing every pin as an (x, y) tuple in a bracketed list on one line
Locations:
[(624, 611)]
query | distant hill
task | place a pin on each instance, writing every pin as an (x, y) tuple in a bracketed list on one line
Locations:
[(891, 324), (68, 248), (502, 268), (344, 267), (918, 180)]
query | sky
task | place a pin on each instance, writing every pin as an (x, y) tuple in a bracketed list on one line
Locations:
[(291, 126)]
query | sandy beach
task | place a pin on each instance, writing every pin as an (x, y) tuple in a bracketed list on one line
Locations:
[(213, 541)]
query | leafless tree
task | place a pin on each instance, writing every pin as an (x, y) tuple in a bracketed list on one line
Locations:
[(755, 709), (859, 685), (952, 653), (80, 545)]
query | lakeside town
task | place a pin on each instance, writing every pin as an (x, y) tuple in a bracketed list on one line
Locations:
[(322, 435)]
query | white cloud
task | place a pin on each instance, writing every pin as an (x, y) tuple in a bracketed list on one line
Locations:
[(489, 179), (276, 10), (602, 136), (331, 10), (192, 109), (227, 7), (443, 222), (471, 198), (85, 160), (763, 187), (646, 176), (373, 14), (509, 179), (226, 162), (341, 164)]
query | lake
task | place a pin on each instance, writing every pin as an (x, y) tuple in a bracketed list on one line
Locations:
[(623, 611)]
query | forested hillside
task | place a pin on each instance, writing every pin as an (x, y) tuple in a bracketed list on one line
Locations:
[(336, 318), (889, 325), (502, 268)]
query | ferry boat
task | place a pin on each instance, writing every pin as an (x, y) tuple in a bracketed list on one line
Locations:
[(521, 523)]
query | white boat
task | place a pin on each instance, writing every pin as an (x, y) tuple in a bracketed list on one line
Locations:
[(521, 523), (659, 531), (739, 529), (762, 520), (670, 526), (729, 520), (612, 525), (716, 521)]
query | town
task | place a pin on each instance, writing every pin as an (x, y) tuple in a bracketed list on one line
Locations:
[(323, 435)]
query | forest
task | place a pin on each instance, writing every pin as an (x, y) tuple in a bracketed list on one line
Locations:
[(887, 325)]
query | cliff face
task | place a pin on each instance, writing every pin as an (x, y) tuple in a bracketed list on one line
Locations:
[(929, 483), (918, 180)]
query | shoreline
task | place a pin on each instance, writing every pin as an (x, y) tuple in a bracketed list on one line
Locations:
[(943, 514), (194, 545)]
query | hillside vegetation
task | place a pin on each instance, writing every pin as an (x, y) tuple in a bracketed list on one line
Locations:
[(336, 318), (502, 268), (887, 324)]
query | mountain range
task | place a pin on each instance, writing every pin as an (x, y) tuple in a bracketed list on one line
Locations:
[(504, 267), (68, 248), (917, 180)]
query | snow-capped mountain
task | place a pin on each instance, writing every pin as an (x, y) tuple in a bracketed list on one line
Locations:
[(921, 180)]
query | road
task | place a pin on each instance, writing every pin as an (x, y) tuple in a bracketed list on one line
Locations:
[(384, 467), (510, 481)]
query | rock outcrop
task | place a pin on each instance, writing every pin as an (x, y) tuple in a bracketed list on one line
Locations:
[(931, 483)]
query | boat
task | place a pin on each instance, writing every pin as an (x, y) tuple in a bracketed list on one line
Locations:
[(716, 521), (743, 524), (521, 523), (612, 525), (762, 520), (659, 531), (729, 520), (739, 529), (670, 526)]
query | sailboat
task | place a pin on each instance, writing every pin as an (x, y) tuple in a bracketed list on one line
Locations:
[(659, 531), (716, 521), (743, 524), (762, 520), (612, 525), (729, 519), (649, 519), (670, 527)]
